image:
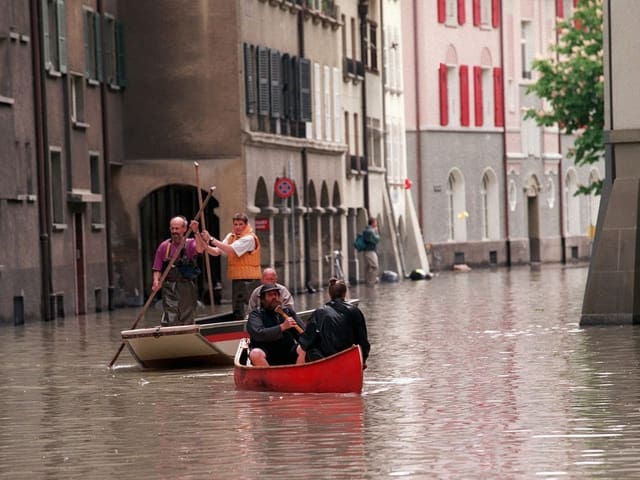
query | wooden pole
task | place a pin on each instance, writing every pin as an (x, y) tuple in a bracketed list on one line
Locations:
[(174, 257), (207, 266)]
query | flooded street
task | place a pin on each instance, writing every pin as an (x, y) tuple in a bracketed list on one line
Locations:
[(485, 374)]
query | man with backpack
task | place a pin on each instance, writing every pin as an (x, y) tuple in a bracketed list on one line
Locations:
[(368, 244)]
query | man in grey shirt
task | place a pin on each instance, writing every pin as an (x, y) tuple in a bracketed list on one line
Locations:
[(269, 276)]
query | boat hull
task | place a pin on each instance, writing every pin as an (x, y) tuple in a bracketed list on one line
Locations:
[(339, 373)]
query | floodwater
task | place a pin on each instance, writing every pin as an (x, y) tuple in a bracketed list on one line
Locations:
[(485, 374)]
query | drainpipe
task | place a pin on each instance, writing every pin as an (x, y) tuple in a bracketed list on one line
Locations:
[(305, 180), (416, 74), (563, 240), (505, 165), (363, 9), (40, 117), (106, 159)]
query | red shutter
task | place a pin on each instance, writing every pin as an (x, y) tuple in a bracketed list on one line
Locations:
[(498, 97), (476, 12), (442, 11), (444, 96), (464, 95), (495, 13), (477, 95), (560, 8), (462, 17), (576, 23)]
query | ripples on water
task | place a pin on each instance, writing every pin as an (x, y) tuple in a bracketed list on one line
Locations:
[(471, 375)]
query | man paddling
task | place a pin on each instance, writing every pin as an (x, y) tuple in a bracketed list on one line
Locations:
[(273, 337)]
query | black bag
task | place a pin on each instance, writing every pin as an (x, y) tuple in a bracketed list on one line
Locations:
[(187, 269)]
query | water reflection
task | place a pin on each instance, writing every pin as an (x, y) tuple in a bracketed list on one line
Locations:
[(475, 375)]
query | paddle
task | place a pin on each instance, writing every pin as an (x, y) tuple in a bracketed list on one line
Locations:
[(206, 253), (286, 317), (174, 257)]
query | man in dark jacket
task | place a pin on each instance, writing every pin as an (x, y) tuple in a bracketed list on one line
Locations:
[(273, 338), (334, 327)]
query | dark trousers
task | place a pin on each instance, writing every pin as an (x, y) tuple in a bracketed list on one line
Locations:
[(240, 293)]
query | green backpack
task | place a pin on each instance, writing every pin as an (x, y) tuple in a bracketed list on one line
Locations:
[(359, 243)]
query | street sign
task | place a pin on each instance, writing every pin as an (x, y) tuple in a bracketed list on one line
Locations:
[(262, 224), (284, 187)]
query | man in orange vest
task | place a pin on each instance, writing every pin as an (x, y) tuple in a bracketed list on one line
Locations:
[(242, 249)]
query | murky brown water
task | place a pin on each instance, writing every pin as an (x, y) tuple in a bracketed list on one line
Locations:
[(471, 375)]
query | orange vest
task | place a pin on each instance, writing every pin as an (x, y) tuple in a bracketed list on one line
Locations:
[(246, 267)]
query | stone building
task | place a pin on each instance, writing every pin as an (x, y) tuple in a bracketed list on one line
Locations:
[(109, 108)]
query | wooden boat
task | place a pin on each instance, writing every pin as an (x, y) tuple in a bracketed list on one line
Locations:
[(211, 341), (339, 373)]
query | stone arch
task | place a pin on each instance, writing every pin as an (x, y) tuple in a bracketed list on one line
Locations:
[(490, 204), (456, 206)]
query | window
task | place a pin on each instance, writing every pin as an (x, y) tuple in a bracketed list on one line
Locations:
[(327, 102), (337, 106), (54, 32), (6, 90), (526, 48), (92, 45), (488, 106), (77, 101), (372, 44), (114, 70), (453, 87), (317, 99), (249, 80), (457, 212), (531, 137), (56, 186), (374, 141), (96, 207), (572, 203), (490, 206)]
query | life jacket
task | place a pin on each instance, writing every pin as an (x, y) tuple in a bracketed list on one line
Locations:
[(247, 266)]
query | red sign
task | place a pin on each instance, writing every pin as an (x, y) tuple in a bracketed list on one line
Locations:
[(262, 224), (285, 187)]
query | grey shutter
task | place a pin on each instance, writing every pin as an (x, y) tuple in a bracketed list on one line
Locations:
[(305, 90), (87, 33), (263, 80), (294, 98), (274, 83), (98, 40), (62, 36), (121, 71), (109, 34), (284, 68), (249, 81), (46, 54)]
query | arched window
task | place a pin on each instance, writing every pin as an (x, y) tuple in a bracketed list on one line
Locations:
[(456, 207), (594, 200), (572, 203), (490, 206)]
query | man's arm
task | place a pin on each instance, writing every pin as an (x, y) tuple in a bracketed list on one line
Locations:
[(258, 332)]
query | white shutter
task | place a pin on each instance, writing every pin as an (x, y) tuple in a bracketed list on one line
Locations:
[(337, 105), (327, 102), (317, 100)]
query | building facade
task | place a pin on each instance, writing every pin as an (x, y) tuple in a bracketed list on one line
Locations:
[(117, 115), (493, 188)]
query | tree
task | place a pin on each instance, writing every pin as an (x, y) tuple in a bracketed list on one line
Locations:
[(572, 83)]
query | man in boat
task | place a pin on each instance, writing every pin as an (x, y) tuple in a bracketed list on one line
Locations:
[(334, 327), (269, 275), (179, 289), (273, 338), (242, 249)]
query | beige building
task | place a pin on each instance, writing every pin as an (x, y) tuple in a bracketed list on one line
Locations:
[(107, 107)]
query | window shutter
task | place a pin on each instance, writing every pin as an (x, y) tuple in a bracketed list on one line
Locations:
[(444, 111), (464, 95), (462, 16), (442, 11), (294, 88), (498, 95), (305, 89), (62, 36), (262, 64), (576, 23), (46, 54), (477, 96), (121, 70), (98, 32), (495, 13), (317, 99), (284, 68), (337, 105), (109, 34), (560, 8), (249, 81), (87, 42), (476, 13), (274, 82)]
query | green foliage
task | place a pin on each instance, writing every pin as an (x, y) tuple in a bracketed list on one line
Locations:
[(572, 83)]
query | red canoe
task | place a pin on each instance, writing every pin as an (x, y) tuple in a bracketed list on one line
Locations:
[(339, 373)]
